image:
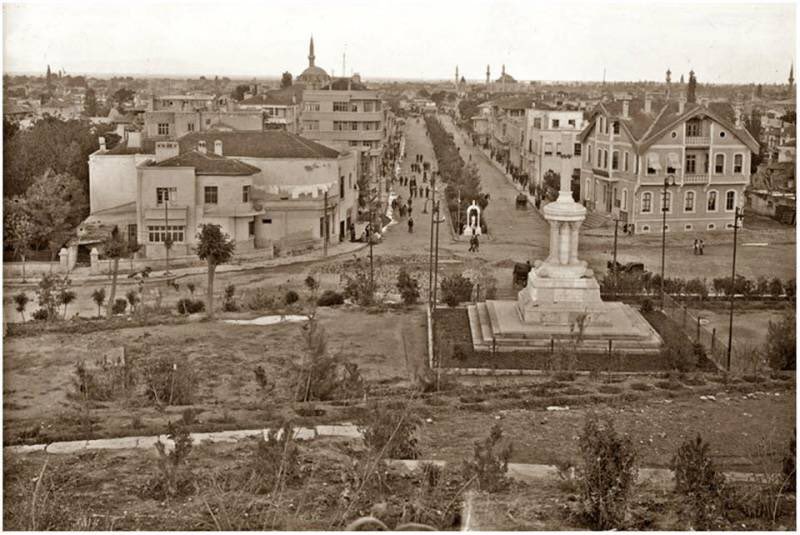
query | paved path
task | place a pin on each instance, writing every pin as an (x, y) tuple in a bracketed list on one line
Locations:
[(516, 234)]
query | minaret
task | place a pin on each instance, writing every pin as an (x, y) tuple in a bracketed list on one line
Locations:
[(311, 52), (503, 78), (456, 77), (487, 76), (791, 79)]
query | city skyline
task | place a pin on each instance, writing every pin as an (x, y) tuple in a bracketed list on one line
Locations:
[(521, 36)]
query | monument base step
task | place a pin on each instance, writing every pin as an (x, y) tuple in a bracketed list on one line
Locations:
[(499, 326)]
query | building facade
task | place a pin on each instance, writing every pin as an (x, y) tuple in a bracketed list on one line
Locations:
[(630, 147), (550, 132)]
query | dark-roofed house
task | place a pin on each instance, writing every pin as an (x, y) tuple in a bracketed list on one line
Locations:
[(281, 107), (265, 188), (629, 147)]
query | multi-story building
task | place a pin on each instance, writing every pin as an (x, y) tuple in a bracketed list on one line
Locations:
[(281, 108), (347, 116), (550, 131), (629, 147), (265, 189)]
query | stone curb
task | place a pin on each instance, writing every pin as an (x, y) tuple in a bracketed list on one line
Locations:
[(148, 442)]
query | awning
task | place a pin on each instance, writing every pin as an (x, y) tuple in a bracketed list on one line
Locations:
[(653, 162)]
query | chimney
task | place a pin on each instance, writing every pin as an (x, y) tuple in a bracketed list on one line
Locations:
[(201, 147), (681, 103), (166, 150), (626, 108), (648, 103), (218, 147), (102, 142)]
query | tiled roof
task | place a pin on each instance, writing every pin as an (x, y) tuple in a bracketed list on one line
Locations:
[(147, 146), (515, 102), (345, 84), (210, 164), (279, 97), (266, 144)]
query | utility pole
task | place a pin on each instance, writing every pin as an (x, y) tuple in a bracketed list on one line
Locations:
[(737, 216), (325, 225), (167, 233), (436, 256), (614, 264), (369, 237), (430, 257)]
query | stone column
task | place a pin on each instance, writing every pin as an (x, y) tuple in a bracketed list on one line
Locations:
[(573, 252), (564, 243), (553, 258)]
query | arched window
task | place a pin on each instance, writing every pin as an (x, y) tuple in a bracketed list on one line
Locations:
[(615, 160), (738, 164), (647, 203), (666, 199), (719, 164), (730, 200), (688, 201), (712, 201), (625, 197)]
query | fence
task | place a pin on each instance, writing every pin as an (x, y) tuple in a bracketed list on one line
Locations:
[(716, 350)]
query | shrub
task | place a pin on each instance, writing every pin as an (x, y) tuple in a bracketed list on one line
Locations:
[(312, 284), (698, 483), (40, 314), (358, 286), (291, 297), (330, 298), (275, 460), (607, 474), (780, 347), (174, 479), (21, 301), (408, 287), (169, 381), (259, 299), (390, 432), (133, 298), (103, 383), (642, 387), (789, 465), (489, 464), (647, 306), (229, 299), (188, 305), (775, 287), (99, 298), (119, 306), (460, 352), (681, 357), (456, 289)]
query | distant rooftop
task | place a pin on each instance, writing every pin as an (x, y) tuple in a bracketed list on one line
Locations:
[(266, 144), (210, 164)]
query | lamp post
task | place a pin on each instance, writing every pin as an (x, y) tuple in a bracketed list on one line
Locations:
[(669, 180), (436, 253), (738, 215), (430, 256), (167, 234), (614, 262)]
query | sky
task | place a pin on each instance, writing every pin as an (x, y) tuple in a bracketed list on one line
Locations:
[(732, 42)]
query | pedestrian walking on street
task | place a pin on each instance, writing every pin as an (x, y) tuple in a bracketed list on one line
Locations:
[(427, 192), (410, 224), (409, 209), (696, 246)]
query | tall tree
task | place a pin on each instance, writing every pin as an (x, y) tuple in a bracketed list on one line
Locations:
[(215, 248), (18, 230), (286, 80), (115, 247), (691, 88), (238, 93), (48, 80), (55, 204), (90, 103)]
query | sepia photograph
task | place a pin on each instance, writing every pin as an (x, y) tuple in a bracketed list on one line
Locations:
[(373, 265)]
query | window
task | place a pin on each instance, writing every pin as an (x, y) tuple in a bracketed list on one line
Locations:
[(615, 160), (688, 226), (589, 154), (246, 193), (369, 106), (133, 236), (647, 203), (310, 125), (267, 221), (722, 134), (211, 195), (691, 164), (537, 123), (645, 228), (341, 106), (625, 199), (558, 149), (166, 194), (338, 125), (158, 233), (163, 129), (548, 149), (693, 128), (616, 127), (711, 226), (341, 187), (530, 145), (190, 127), (605, 159), (738, 164), (556, 123), (311, 106), (730, 201), (353, 125), (577, 149), (626, 162), (353, 106), (688, 202), (666, 204), (599, 157), (719, 164), (251, 228), (571, 122), (711, 205)]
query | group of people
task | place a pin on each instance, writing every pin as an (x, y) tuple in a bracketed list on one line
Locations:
[(473, 243), (698, 246)]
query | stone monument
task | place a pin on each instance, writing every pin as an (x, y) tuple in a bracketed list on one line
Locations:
[(473, 226), (561, 292)]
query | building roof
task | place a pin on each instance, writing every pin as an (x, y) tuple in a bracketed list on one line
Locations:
[(266, 144), (279, 97), (147, 146), (210, 164), (346, 84), (517, 102)]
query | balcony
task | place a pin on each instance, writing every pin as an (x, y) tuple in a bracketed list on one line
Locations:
[(600, 172), (695, 178), (697, 141)]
